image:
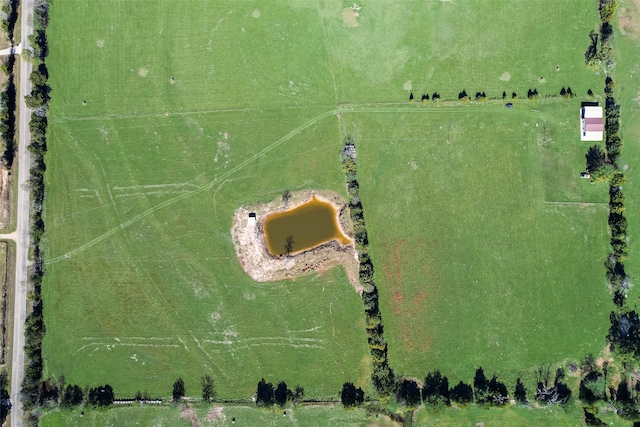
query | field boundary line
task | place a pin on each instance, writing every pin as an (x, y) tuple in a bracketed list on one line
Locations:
[(185, 113), (579, 204), (333, 74)]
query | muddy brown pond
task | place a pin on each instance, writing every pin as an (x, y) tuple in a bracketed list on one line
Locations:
[(306, 226)]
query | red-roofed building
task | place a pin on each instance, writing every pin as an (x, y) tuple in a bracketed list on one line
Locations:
[(591, 124)]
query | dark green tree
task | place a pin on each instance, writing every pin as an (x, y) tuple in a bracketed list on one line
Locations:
[(461, 393), (520, 393), (282, 394), (208, 394), (596, 157), (408, 393), (5, 403), (351, 396), (101, 395), (265, 394), (72, 395), (497, 392), (436, 389), (298, 394), (480, 386), (178, 389)]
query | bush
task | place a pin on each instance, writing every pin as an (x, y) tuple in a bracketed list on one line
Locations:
[(351, 396), (408, 393), (265, 395)]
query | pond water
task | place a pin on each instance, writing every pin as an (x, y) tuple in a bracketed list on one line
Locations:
[(308, 225)]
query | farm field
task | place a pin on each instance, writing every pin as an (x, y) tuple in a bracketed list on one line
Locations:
[(142, 279), (484, 257), (512, 416), (244, 415), (628, 96), (159, 131)]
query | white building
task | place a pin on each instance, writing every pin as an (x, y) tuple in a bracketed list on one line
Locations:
[(591, 124)]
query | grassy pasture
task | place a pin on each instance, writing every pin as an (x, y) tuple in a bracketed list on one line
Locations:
[(476, 263), (195, 309), (172, 416), (627, 94), (511, 416), (142, 283), (193, 111), (451, 46)]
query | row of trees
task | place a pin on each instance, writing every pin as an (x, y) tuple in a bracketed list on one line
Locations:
[(5, 403), (463, 96), (8, 95), (620, 391), (436, 390), (624, 332), (602, 53), (267, 395), (8, 100), (36, 392), (382, 376), (179, 390)]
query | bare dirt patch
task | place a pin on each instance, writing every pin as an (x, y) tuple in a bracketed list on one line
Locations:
[(5, 198), (506, 76), (216, 413), (142, 72), (255, 14), (100, 43), (261, 266), (629, 19), (188, 414), (350, 17)]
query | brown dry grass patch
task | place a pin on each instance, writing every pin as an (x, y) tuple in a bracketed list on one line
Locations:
[(629, 19)]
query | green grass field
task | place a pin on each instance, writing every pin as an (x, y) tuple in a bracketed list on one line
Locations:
[(248, 416), (142, 284), (627, 91), (483, 255), (165, 118)]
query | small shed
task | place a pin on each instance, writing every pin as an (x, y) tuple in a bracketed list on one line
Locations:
[(252, 218)]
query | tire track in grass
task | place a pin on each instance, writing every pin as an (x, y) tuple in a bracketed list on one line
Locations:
[(205, 187), (351, 108)]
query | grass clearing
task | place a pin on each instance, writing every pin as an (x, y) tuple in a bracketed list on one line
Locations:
[(475, 266), (451, 46), (627, 94), (244, 415), (143, 279), (511, 416), (160, 130)]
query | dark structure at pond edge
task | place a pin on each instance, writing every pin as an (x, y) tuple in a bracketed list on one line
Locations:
[(382, 377)]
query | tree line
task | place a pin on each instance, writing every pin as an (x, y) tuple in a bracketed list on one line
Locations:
[(382, 375), (8, 96), (624, 332), (600, 50), (34, 391), (480, 96)]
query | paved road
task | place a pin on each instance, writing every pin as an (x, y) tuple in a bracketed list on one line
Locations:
[(22, 227), (17, 49)]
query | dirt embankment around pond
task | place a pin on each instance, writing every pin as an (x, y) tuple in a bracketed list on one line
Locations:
[(251, 247)]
